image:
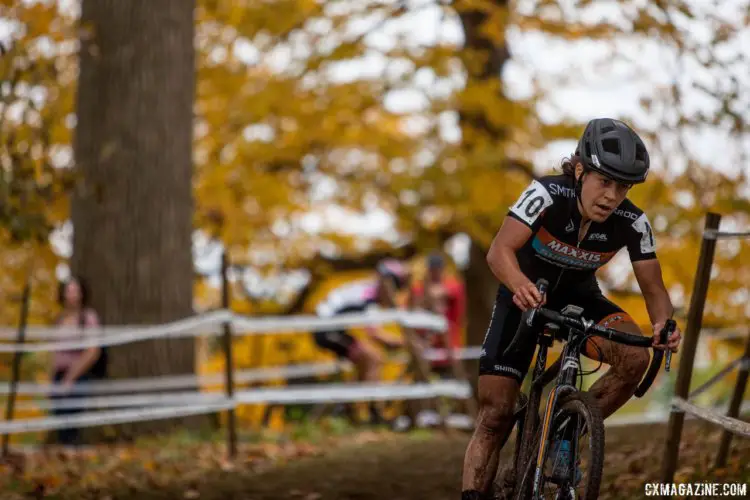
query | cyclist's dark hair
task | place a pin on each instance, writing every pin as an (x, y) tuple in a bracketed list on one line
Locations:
[(569, 165), (82, 285)]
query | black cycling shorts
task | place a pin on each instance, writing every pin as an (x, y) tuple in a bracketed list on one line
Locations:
[(506, 317), (337, 341)]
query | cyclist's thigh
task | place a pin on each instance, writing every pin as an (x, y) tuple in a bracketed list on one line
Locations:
[(609, 315), (336, 341), (502, 328)]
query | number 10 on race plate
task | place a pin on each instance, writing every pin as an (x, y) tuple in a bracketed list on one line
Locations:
[(702, 490)]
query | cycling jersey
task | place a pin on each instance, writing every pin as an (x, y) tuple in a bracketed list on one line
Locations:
[(354, 297), (351, 297), (548, 207)]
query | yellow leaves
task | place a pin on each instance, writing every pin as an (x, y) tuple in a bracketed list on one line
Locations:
[(565, 30), (493, 28), (251, 18), (33, 130), (346, 50), (485, 6)]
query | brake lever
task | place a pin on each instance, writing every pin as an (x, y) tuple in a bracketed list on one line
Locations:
[(669, 327), (541, 285)]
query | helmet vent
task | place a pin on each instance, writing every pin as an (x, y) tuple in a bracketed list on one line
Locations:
[(611, 146), (608, 128)]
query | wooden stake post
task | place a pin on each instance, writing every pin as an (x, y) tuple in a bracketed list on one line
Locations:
[(228, 358), (734, 406), (16, 369), (694, 321)]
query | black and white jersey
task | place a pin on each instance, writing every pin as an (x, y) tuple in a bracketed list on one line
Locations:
[(548, 207)]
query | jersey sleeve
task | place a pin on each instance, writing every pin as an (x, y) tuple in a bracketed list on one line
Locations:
[(641, 242), (529, 208)]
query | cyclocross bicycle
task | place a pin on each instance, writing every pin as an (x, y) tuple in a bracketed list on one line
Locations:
[(550, 458)]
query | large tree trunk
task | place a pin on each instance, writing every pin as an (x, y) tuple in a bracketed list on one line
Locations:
[(132, 210), (480, 297), (474, 124), (480, 294)]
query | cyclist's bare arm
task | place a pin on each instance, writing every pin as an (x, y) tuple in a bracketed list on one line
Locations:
[(503, 262), (659, 305), (386, 341)]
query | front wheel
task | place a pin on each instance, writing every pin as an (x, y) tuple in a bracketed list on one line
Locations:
[(574, 458)]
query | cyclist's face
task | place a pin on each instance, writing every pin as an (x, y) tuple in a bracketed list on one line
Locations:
[(600, 195)]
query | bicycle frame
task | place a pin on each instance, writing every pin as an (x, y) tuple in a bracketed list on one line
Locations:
[(564, 384), (566, 369)]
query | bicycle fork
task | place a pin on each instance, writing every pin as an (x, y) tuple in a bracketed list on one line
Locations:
[(565, 384)]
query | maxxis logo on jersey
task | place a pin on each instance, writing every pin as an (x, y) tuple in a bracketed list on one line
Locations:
[(552, 249)]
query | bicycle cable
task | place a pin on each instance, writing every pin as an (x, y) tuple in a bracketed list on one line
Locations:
[(582, 373)]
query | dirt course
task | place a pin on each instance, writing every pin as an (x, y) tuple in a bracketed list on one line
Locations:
[(420, 466)]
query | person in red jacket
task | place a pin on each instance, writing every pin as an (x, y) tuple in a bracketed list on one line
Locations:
[(443, 295)]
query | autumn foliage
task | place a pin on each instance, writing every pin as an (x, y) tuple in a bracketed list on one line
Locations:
[(347, 105)]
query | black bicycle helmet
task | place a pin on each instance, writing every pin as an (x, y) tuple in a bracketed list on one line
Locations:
[(613, 149)]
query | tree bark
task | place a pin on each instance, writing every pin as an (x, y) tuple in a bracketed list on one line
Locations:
[(483, 285), (132, 208), (480, 297)]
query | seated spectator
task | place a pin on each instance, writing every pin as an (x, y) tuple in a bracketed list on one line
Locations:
[(70, 368)]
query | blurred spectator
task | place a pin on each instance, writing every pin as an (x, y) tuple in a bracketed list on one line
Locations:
[(70, 368), (362, 297), (445, 295)]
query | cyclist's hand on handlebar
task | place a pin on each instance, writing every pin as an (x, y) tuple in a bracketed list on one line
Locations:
[(674, 338), (527, 296)]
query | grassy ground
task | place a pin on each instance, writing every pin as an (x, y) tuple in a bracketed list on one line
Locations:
[(333, 462)]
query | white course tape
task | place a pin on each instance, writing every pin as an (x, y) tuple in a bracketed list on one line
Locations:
[(310, 323), (175, 382), (94, 419), (192, 325), (100, 402), (298, 394), (197, 402), (116, 335), (339, 393), (658, 416), (199, 326), (463, 353)]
